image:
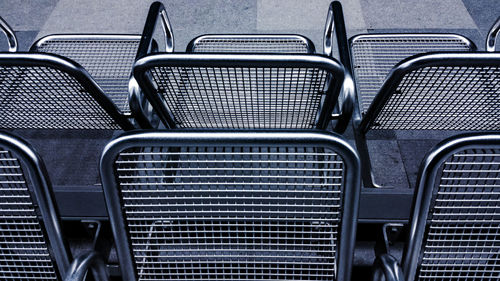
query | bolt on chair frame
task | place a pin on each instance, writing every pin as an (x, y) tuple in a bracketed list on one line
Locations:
[(365, 120), (194, 144), (115, 52), (35, 179), (468, 217)]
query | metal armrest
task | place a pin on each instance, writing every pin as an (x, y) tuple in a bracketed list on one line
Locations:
[(346, 105), (328, 33), (141, 108), (387, 268), (492, 36), (156, 9), (80, 266), (9, 33)]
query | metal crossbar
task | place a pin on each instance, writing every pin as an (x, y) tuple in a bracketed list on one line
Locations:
[(463, 237), (443, 95), (291, 44), (212, 206), (24, 251), (108, 58), (241, 91), (374, 55)]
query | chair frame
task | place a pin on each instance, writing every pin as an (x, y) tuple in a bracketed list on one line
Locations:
[(246, 138)]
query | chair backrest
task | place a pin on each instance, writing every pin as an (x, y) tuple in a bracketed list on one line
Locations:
[(42, 91), (232, 205), (439, 91), (251, 43), (374, 55), (454, 232), (241, 90), (108, 59), (31, 246)]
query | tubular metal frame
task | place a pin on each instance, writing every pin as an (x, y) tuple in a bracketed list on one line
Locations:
[(245, 138), (9, 33), (142, 68), (306, 41), (72, 69), (491, 39)]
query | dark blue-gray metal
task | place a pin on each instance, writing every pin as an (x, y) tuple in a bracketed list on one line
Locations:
[(251, 43), (455, 220), (224, 205), (241, 91), (9, 33), (45, 91), (491, 39), (85, 263), (25, 238)]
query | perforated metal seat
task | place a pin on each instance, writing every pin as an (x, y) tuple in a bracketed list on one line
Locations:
[(251, 43), (31, 245), (241, 90), (454, 228), (232, 205)]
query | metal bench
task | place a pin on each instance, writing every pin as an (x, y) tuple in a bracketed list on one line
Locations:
[(454, 226), (226, 205), (31, 242), (109, 59), (431, 91)]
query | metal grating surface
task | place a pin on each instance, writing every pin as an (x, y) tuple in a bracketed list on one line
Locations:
[(374, 56), (444, 98), (47, 98), (109, 61), (24, 254), (231, 97), (226, 44), (232, 213), (463, 236)]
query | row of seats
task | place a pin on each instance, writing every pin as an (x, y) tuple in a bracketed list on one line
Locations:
[(187, 205), (254, 204)]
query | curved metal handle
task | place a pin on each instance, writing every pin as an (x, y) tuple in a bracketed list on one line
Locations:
[(9, 33), (492, 36), (156, 9), (328, 33), (167, 31)]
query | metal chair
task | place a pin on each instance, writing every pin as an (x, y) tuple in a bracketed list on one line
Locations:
[(454, 229), (224, 205), (9, 34), (109, 59), (430, 91), (241, 90), (251, 43), (31, 242)]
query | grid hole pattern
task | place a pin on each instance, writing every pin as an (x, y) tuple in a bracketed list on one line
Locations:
[(463, 235), (225, 44), (24, 253), (374, 57), (37, 97), (444, 98), (246, 98), (232, 213), (109, 61)]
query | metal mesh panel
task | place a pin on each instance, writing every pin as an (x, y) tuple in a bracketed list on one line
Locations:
[(109, 61), (47, 98), (227, 44), (211, 97), (232, 213), (24, 254), (374, 56), (444, 98), (463, 236)]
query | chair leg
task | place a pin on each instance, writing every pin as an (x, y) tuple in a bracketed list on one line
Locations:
[(366, 167)]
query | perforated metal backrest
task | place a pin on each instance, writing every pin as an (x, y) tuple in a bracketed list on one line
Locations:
[(241, 91), (456, 218), (31, 246), (108, 58), (441, 91), (43, 91), (232, 206), (374, 55), (251, 43)]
